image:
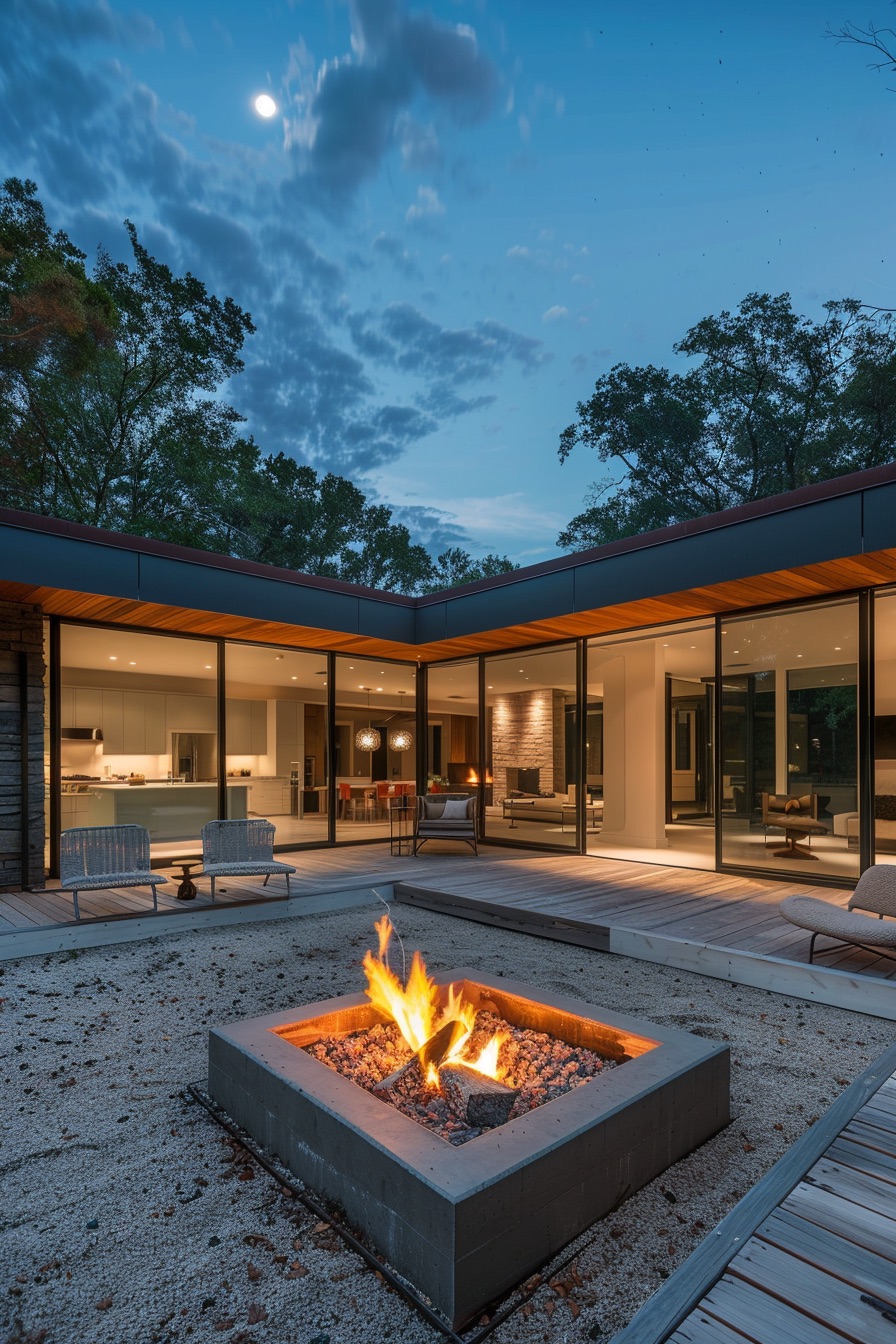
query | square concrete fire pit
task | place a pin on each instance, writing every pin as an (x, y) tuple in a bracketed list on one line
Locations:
[(464, 1224)]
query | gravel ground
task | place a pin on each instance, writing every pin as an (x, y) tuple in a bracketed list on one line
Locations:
[(126, 1218)]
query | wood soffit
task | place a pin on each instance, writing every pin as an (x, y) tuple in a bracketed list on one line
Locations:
[(802, 582)]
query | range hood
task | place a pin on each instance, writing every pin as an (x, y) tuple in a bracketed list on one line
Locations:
[(82, 734)]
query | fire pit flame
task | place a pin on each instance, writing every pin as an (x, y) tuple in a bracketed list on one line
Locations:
[(415, 1010)]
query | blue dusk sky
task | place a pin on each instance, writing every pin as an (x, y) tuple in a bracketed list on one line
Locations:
[(462, 213)]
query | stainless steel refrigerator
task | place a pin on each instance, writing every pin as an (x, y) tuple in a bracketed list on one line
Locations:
[(194, 757)]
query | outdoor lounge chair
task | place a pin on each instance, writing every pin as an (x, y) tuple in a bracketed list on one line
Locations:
[(875, 891), (433, 823), (240, 849), (98, 858)]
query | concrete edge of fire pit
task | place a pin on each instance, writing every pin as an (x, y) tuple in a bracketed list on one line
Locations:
[(457, 1172), (465, 1223)]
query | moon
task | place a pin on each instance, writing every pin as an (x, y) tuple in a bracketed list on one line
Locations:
[(265, 105)]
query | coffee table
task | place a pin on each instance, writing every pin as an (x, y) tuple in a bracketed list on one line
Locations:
[(795, 829)]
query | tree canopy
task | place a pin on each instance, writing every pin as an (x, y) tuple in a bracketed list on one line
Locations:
[(111, 414), (776, 401)]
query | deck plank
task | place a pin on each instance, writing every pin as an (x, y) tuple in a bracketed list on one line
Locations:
[(793, 1259), (821, 1297)]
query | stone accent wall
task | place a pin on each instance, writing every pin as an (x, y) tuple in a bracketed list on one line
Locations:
[(21, 632), (527, 734)]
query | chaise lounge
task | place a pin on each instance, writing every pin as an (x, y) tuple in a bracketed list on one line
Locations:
[(875, 892)]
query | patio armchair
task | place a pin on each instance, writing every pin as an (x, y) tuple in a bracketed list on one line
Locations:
[(240, 849), (445, 816), (875, 892), (99, 858)]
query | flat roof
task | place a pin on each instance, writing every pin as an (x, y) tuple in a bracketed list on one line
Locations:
[(830, 537)]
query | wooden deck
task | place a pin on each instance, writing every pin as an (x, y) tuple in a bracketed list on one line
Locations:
[(809, 1256), (714, 923)]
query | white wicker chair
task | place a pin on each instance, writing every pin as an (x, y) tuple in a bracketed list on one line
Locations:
[(875, 892), (97, 858), (240, 849), (432, 824)]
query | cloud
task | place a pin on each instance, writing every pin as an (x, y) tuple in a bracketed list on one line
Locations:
[(349, 113), (90, 22), (420, 148), (427, 206), (102, 145), (455, 356), (555, 314), (388, 245)]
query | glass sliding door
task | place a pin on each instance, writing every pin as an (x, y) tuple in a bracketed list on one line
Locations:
[(531, 738), (452, 730), (276, 739), (789, 749), (375, 744), (649, 746), (139, 733), (884, 820)]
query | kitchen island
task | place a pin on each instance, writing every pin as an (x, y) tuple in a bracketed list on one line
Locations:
[(168, 811)]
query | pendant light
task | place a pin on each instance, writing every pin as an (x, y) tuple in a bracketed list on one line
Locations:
[(400, 739), (369, 738)]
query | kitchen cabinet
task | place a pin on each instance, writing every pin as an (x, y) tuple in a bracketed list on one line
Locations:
[(290, 718), (157, 741), (88, 708), (112, 722), (191, 714), (133, 725), (247, 727), (269, 797)]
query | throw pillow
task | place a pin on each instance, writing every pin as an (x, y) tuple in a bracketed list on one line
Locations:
[(776, 804), (455, 809), (792, 805)]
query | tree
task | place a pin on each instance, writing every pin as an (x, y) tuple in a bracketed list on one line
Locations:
[(285, 514), (881, 40), (777, 401), (455, 566), (104, 417), (110, 414)]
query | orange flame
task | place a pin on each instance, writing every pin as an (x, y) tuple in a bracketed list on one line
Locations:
[(487, 1060), (414, 1009)]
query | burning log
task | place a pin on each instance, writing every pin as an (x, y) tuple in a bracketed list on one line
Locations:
[(475, 1098), (433, 1052)]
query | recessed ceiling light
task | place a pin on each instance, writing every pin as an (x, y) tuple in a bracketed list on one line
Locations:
[(113, 657), (836, 648), (208, 667), (293, 678), (132, 664), (799, 655), (379, 690)]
